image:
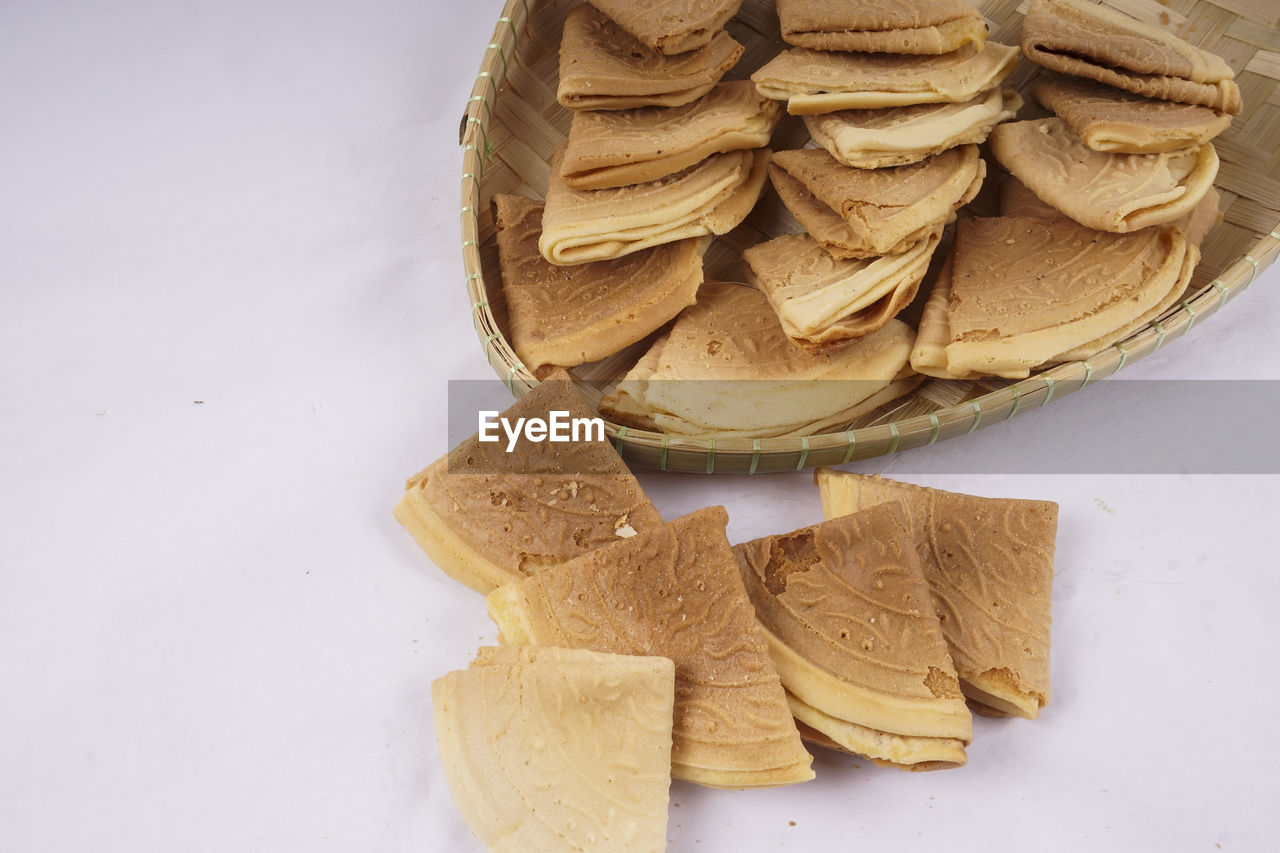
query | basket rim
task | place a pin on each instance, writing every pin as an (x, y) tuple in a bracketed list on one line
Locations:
[(698, 454)]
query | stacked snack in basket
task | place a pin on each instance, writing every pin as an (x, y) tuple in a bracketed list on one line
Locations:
[(635, 651), (1108, 201)]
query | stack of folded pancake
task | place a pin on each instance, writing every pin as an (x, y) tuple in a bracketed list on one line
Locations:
[(1109, 199), (897, 96)]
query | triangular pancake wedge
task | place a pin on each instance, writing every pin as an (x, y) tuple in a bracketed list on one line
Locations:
[(883, 26), (486, 516), (1109, 192), (814, 81), (864, 213), (853, 632), (989, 564), (675, 592), (708, 198), (671, 26), (603, 67), (616, 148), (566, 750), (1091, 40), (727, 368)]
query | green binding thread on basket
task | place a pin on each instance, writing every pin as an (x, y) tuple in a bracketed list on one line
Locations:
[(1088, 371), (893, 444), (483, 99), (977, 416), (479, 161), (1124, 356), (511, 380), (1275, 234), (1187, 307), (937, 428), (662, 453), (711, 455), (1251, 260), (804, 452), (501, 55), (1017, 401), (622, 432), (484, 134), (1222, 300), (1159, 336), (1048, 380), (853, 442), (476, 306), (755, 455)]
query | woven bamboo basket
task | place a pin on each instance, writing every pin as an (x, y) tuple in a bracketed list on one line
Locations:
[(513, 123)]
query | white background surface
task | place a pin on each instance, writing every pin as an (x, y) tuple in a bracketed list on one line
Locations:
[(213, 635)]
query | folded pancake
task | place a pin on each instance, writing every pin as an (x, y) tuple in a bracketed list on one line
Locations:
[(894, 136), (711, 197), (572, 315), (727, 369), (1110, 119), (989, 564), (1109, 192), (863, 213), (851, 627), (813, 81), (881, 26), (1089, 40), (670, 26), (674, 591), (1024, 289), (614, 148), (602, 67), (565, 750), (1017, 200), (823, 301), (929, 353), (905, 752), (486, 516)]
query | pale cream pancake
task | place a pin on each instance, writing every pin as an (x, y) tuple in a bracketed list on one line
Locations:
[(881, 26), (929, 352), (602, 67), (1090, 40), (1112, 120), (864, 213), (823, 301), (486, 516), (894, 136), (989, 565), (674, 591), (728, 369), (670, 26), (906, 752), (712, 197), (564, 316), (1024, 290), (813, 81), (615, 148), (566, 750), (851, 627), (1109, 192)]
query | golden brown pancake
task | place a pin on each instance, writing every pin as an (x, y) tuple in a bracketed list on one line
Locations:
[(1089, 40), (614, 148), (728, 369), (813, 81), (894, 136), (711, 197), (851, 627), (989, 564), (1109, 192), (674, 591), (572, 315), (881, 26), (670, 26), (823, 301), (486, 516), (562, 750), (602, 67), (863, 213), (1112, 120)]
